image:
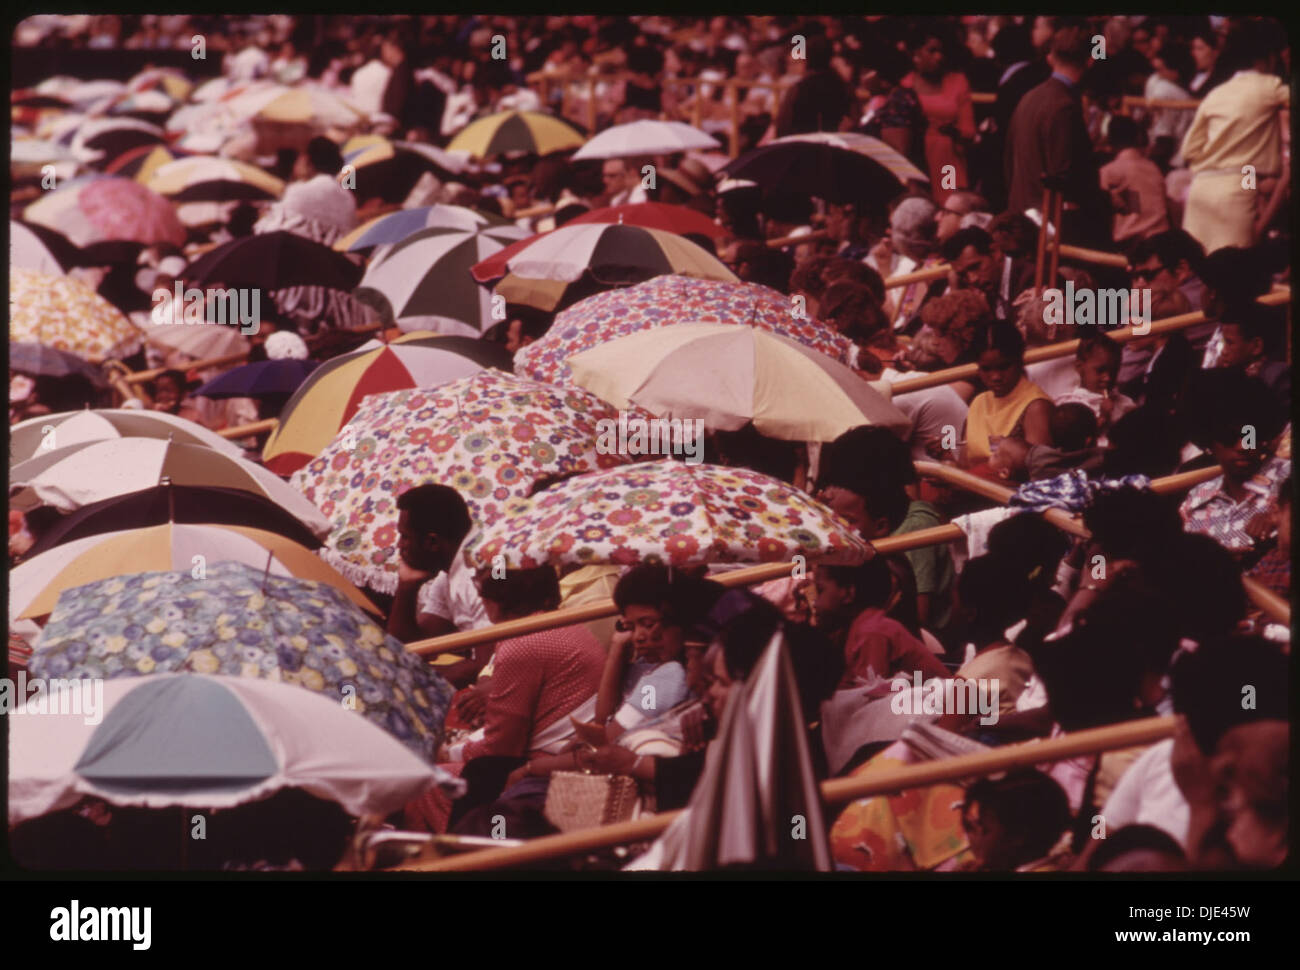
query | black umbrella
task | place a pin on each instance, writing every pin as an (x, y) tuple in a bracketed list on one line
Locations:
[(833, 166), (273, 261), (186, 503)]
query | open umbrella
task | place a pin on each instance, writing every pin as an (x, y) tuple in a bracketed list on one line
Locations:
[(304, 104), (39, 360), (108, 208), (65, 252), (515, 131), (645, 137), (390, 169), (202, 178), (666, 512), (28, 156), (728, 376), (200, 341), (97, 138), (36, 583), (395, 226), (76, 475), (140, 163), (260, 379), (490, 436), (27, 251), (238, 620), (332, 393), (43, 434), (273, 261), (837, 167), (159, 504), (666, 301), (66, 314), (613, 255), (154, 748), (649, 215), (424, 283), (758, 783)]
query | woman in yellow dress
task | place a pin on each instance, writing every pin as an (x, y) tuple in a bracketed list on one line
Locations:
[(1239, 124)]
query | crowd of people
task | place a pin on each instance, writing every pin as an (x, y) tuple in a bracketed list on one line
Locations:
[(1149, 614)]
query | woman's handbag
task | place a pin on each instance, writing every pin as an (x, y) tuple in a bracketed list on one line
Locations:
[(577, 800)]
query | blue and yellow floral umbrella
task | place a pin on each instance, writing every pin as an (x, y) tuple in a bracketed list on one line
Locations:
[(239, 621)]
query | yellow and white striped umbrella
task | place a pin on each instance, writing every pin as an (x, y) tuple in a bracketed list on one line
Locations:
[(205, 178), (303, 105), (35, 585), (66, 314), (515, 131)]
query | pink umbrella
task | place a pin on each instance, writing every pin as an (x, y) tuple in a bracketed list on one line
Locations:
[(121, 208)]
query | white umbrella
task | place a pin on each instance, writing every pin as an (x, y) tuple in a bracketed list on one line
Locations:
[(647, 137), (43, 434), (28, 252), (70, 477), (156, 745)]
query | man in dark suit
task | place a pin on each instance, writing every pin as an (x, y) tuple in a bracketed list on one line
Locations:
[(1049, 137)]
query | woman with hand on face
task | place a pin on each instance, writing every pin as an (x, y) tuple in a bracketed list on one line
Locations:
[(1013, 406)]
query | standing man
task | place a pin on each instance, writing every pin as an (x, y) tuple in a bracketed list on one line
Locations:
[(1048, 138)]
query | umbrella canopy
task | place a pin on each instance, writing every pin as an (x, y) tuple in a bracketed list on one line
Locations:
[(151, 105), (236, 620), (27, 251), (390, 169), (27, 156), (836, 167), (333, 392), (424, 283), (395, 226), (154, 748), (200, 341), (273, 261), (36, 583), (76, 475), (66, 314), (140, 163), (260, 379), (203, 178), (108, 137), (645, 137), (169, 81), (758, 778), (301, 105), (65, 252), (174, 503), (490, 436), (109, 208), (729, 376), (613, 255), (43, 434), (649, 215), (515, 131), (667, 512), (39, 360), (666, 301)]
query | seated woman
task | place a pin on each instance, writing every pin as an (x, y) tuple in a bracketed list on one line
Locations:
[(1012, 407), (539, 679)]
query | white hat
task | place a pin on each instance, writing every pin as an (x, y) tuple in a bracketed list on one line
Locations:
[(285, 345)]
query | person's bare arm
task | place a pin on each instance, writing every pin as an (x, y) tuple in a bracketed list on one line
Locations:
[(1037, 417)]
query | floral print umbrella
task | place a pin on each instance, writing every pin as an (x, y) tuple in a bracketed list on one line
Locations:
[(240, 622), (66, 314), (667, 300), (667, 512), (489, 436)]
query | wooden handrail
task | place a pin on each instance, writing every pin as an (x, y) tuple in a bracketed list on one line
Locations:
[(796, 240), (143, 376), (837, 791), (1066, 348), (244, 430)]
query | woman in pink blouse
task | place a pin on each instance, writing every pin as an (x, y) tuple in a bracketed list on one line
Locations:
[(945, 99)]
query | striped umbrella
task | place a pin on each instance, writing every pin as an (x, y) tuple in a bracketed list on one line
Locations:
[(515, 131), (169, 81), (107, 137), (424, 281), (76, 475), (35, 585), (148, 105), (613, 255), (203, 178), (141, 162), (66, 314), (330, 396), (661, 302), (649, 215), (304, 104), (43, 434), (108, 208), (28, 156), (395, 226), (645, 137), (28, 251), (390, 169)]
